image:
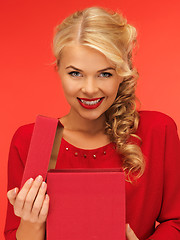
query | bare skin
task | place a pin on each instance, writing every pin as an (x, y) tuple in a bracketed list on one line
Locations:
[(83, 139), (83, 128)]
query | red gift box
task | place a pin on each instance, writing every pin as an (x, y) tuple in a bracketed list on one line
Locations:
[(85, 204)]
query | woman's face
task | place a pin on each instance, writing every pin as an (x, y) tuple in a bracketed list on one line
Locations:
[(89, 80)]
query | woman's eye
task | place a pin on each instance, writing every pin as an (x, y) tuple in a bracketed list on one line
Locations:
[(106, 74), (74, 73), (78, 74)]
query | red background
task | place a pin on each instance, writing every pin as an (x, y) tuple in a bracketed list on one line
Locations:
[(30, 86)]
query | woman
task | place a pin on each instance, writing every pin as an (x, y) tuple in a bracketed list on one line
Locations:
[(93, 49)]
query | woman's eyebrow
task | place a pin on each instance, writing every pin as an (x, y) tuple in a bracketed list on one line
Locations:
[(97, 71)]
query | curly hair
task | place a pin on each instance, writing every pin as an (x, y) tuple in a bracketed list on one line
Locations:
[(108, 32)]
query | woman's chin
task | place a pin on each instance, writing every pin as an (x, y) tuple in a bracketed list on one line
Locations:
[(91, 115)]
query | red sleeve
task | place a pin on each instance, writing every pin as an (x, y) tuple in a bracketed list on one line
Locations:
[(16, 161), (169, 217)]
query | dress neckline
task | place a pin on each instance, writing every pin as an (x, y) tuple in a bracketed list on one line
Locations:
[(87, 150), (102, 148)]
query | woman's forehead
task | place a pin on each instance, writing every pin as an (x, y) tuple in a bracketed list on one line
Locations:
[(81, 56)]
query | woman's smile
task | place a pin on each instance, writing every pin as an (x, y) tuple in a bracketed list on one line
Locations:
[(90, 103)]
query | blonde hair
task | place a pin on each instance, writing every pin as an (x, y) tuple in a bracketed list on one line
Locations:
[(108, 32)]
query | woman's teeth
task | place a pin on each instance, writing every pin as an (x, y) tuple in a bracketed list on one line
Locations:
[(90, 102)]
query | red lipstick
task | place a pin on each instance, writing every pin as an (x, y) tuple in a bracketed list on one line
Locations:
[(90, 99), (89, 103)]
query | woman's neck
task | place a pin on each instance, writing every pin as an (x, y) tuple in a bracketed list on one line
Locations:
[(74, 122)]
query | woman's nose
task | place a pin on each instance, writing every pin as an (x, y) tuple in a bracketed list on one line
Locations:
[(90, 86)]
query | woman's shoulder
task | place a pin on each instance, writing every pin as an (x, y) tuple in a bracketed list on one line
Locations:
[(23, 133), (155, 119), (20, 142)]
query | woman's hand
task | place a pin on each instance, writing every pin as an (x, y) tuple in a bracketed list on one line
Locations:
[(31, 203), (130, 234)]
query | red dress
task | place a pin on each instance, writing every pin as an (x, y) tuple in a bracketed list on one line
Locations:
[(153, 197)]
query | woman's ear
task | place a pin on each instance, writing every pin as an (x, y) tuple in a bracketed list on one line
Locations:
[(57, 64), (56, 67)]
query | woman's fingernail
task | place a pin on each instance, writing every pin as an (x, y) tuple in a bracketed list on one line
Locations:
[(128, 227), (39, 178), (30, 181), (43, 185), (15, 191)]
